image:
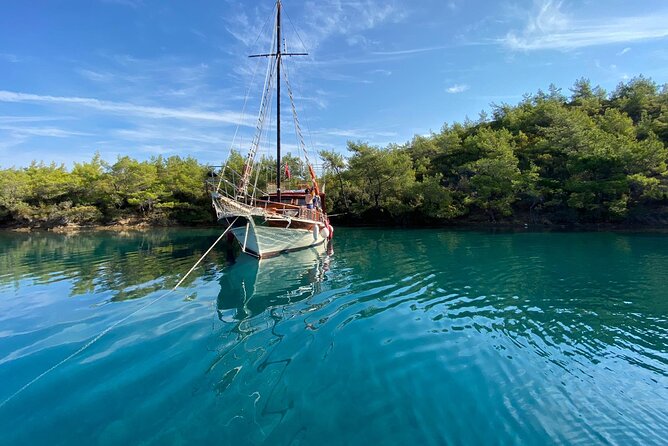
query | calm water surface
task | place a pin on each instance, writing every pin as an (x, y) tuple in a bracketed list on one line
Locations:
[(395, 337)]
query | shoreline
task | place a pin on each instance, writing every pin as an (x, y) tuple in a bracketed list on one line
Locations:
[(502, 226), (116, 227)]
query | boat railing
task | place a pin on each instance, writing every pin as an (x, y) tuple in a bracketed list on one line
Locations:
[(291, 210), (226, 183)]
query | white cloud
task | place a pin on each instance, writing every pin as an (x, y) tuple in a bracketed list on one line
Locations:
[(127, 108), (339, 77), (548, 27), (358, 133), (95, 76), (131, 3), (22, 119), (624, 51), (9, 57), (349, 18), (172, 135), (457, 88), (52, 132), (382, 72), (410, 51), (7, 143), (337, 17)]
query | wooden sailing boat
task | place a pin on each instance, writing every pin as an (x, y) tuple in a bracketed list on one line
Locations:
[(268, 223)]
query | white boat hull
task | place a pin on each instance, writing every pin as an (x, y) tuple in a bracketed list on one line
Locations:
[(261, 240)]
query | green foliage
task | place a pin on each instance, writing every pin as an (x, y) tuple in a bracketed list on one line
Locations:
[(587, 158), (380, 178), (95, 192), (182, 179), (14, 191), (433, 200), (334, 164), (590, 157)]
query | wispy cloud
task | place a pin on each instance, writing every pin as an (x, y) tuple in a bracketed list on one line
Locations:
[(13, 58), (457, 88), (52, 132), (249, 30), (95, 76), (410, 51), (339, 77), (548, 27), (356, 133), (131, 3), (359, 40), (382, 72), (624, 51), (127, 108), (348, 20), (18, 119), (7, 143), (171, 136), (200, 35)]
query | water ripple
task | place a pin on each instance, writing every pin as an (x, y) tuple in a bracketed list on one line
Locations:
[(429, 337)]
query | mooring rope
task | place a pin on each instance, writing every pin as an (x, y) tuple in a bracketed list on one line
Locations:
[(117, 323)]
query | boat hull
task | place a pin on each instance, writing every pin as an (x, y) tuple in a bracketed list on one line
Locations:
[(263, 238)]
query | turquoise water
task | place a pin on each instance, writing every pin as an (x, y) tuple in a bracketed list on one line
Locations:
[(395, 337)]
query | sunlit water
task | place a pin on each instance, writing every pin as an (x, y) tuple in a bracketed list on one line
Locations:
[(396, 337)]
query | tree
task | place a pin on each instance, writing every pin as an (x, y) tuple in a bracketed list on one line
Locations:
[(14, 191), (381, 177), (135, 184), (494, 174), (636, 97), (182, 179), (90, 182), (333, 161), (433, 200), (587, 98)]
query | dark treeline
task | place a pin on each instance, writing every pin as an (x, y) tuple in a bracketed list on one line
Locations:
[(585, 157), (589, 157)]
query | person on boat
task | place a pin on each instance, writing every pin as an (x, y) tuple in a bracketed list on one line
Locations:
[(309, 198), (316, 201)]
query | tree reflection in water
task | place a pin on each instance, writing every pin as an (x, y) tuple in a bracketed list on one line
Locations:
[(129, 264)]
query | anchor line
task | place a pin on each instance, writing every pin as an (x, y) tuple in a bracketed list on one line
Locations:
[(117, 323)]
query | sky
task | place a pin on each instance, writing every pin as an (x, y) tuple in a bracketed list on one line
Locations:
[(157, 77)]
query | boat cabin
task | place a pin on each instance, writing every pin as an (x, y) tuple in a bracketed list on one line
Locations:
[(296, 198)]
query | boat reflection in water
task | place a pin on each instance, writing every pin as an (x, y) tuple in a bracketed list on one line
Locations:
[(250, 286)]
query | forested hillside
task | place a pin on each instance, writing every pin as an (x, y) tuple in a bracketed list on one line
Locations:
[(583, 157), (161, 191), (589, 157)]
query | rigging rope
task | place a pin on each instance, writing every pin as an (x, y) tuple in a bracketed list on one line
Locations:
[(243, 109), (117, 323), (305, 49), (264, 106), (298, 130)]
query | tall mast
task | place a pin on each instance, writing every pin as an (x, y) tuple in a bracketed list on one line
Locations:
[(278, 100), (278, 55)]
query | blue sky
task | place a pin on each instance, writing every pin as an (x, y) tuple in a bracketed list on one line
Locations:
[(149, 77)]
